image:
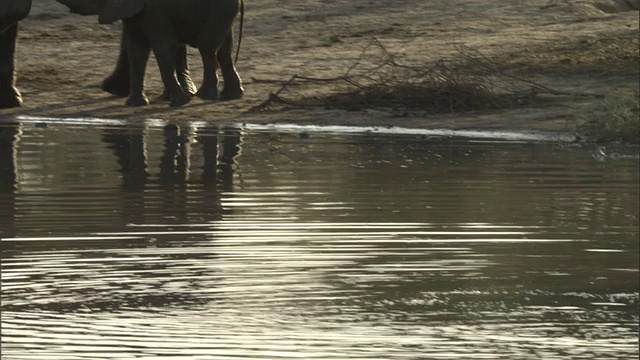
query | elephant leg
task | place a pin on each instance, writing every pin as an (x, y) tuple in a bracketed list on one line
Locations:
[(138, 51), (209, 88), (215, 38), (165, 53), (9, 95), (232, 83), (118, 82), (182, 72)]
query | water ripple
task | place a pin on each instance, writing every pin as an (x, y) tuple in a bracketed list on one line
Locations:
[(202, 242)]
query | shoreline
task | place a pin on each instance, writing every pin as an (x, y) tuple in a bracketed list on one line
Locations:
[(569, 46)]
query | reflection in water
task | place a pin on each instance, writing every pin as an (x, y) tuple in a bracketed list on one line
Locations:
[(129, 146), (209, 243), (145, 200), (130, 149), (9, 141)]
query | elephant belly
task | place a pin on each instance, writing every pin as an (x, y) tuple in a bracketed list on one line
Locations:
[(188, 36), (190, 19), (189, 32)]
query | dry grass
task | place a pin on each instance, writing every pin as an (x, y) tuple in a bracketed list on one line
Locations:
[(615, 118)]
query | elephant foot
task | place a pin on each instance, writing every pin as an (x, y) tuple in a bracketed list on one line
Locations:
[(189, 89), (208, 93), (180, 99), (139, 100), (10, 98), (116, 85), (231, 93)]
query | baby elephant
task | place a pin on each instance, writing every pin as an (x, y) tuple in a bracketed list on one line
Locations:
[(163, 26)]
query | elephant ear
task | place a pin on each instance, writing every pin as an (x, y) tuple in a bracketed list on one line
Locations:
[(114, 10)]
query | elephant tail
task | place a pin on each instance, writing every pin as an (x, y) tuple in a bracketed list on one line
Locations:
[(240, 31)]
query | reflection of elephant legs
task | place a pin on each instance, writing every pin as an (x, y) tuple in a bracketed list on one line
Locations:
[(129, 148), (9, 139), (219, 155), (220, 151), (176, 200), (175, 162), (208, 139), (9, 94), (231, 148), (118, 82)]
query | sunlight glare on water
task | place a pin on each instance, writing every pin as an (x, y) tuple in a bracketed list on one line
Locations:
[(200, 241)]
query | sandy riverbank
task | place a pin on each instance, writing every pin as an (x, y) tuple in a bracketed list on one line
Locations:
[(572, 46)]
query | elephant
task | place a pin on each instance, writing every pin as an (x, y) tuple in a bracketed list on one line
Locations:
[(163, 26), (117, 83), (11, 11)]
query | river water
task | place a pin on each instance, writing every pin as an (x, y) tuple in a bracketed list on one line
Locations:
[(189, 241)]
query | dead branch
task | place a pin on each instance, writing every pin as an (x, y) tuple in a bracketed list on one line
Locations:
[(442, 87)]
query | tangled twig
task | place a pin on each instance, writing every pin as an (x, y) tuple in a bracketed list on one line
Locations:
[(443, 87)]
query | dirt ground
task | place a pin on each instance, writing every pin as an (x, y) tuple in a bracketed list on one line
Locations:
[(569, 45)]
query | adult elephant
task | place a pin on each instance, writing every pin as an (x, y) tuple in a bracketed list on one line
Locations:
[(162, 26), (11, 11)]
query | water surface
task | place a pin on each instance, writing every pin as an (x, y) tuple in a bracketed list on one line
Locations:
[(196, 241)]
